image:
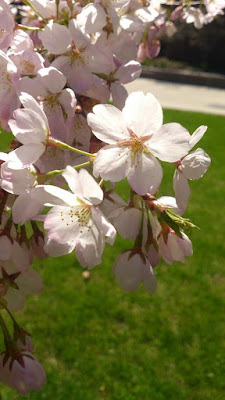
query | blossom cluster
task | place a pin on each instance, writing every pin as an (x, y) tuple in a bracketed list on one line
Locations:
[(60, 64)]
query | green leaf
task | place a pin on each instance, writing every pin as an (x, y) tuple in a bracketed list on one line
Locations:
[(5, 140)]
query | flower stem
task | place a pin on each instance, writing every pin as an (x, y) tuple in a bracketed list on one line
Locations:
[(29, 28), (28, 3), (7, 338), (42, 178), (15, 324), (64, 146)]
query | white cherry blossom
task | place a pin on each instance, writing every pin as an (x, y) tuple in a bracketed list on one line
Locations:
[(135, 137)]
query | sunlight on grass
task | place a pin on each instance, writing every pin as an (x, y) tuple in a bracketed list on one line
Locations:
[(97, 342)]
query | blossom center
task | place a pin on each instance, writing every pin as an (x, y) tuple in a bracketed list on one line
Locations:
[(80, 214)]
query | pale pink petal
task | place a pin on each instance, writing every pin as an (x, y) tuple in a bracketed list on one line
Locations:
[(92, 18), (107, 123), (24, 208), (145, 174), (128, 271), (164, 251), (56, 38), (169, 202), (30, 377), (68, 101), (53, 80), (72, 178), (149, 279), (55, 249), (105, 227), (197, 135), (18, 180), (30, 103), (128, 222), (112, 163), (62, 224), (15, 299), (195, 164), (90, 188), (20, 257), (128, 72), (28, 126), (153, 255), (181, 189), (90, 247), (119, 95), (30, 282), (80, 39), (27, 154), (170, 143), (143, 113), (5, 248), (50, 195)]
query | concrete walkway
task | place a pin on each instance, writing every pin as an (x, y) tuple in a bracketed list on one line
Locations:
[(182, 97)]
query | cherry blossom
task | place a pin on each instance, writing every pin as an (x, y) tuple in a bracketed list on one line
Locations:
[(135, 137)]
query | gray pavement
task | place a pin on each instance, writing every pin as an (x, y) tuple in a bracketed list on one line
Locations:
[(181, 96)]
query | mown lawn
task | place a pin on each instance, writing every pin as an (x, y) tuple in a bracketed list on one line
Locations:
[(97, 342)]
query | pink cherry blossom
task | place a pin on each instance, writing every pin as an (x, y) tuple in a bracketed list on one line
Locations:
[(79, 223), (133, 268), (22, 372), (135, 137)]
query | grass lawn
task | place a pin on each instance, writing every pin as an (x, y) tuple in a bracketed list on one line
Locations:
[(96, 342)]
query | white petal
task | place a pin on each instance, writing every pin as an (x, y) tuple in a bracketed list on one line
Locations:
[(28, 126), (24, 208), (27, 154), (195, 164), (128, 72), (30, 103), (62, 226), (56, 38), (143, 113), (105, 227), (170, 143), (129, 271), (5, 248), (181, 189), (169, 202), (30, 282), (50, 195), (128, 222), (90, 189), (68, 101), (72, 178), (55, 249), (15, 299), (197, 135), (112, 163), (119, 94), (107, 123), (89, 248), (145, 174), (149, 279), (52, 79), (92, 18)]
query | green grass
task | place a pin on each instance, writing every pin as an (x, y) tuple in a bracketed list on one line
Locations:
[(97, 342)]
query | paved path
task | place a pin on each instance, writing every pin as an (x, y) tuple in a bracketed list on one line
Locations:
[(181, 96)]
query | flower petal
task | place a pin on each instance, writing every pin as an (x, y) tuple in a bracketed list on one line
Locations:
[(170, 143), (181, 189), (197, 135), (145, 174), (143, 113), (112, 163), (107, 123), (195, 164)]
